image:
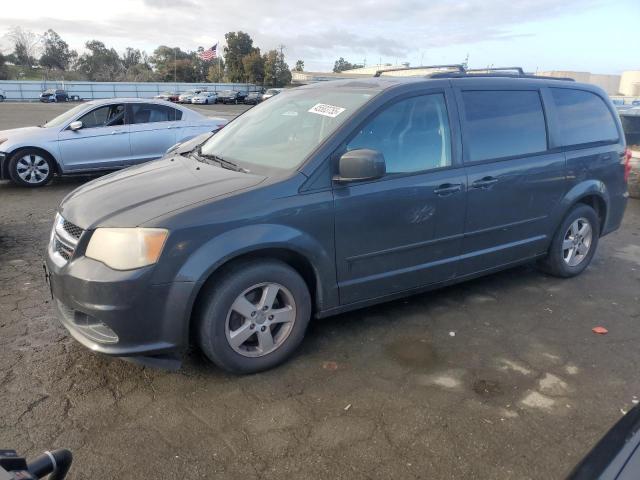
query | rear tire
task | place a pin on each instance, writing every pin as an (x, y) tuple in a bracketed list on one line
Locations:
[(31, 168), (574, 243), (254, 316)]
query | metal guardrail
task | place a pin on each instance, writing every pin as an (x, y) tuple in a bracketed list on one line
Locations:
[(30, 90)]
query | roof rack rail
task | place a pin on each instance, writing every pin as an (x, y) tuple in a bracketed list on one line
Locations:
[(458, 67), (518, 70)]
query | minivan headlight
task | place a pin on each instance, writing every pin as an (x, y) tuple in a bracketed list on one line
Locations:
[(127, 248)]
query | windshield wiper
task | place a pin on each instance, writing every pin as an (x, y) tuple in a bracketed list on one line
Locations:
[(221, 161)]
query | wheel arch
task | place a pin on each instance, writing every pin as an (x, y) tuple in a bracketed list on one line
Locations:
[(42, 151), (593, 193)]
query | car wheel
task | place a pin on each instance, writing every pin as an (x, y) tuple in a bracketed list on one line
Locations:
[(1, 98), (574, 244), (30, 168), (254, 316)]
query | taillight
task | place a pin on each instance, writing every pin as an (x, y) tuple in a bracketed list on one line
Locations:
[(627, 164)]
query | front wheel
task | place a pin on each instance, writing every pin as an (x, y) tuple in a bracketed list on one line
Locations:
[(254, 316), (30, 168), (574, 244)]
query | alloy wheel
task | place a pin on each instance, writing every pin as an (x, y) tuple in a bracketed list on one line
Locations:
[(32, 168), (260, 319), (577, 242)]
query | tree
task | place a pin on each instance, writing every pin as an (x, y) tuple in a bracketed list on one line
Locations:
[(299, 66), (135, 65), (253, 65), (276, 70), (25, 46), (239, 44), (56, 53), (4, 71), (341, 65), (215, 73), (173, 64), (100, 63)]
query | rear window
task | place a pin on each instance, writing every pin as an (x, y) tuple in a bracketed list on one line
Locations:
[(583, 117), (151, 113), (502, 124)]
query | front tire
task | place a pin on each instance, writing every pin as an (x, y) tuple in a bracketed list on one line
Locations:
[(574, 244), (254, 316), (31, 168)]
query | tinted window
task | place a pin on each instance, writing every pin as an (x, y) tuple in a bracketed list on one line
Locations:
[(583, 117), (412, 134), (503, 124), (148, 113), (107, 116)]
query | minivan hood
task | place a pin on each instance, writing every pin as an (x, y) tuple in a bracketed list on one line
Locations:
[(131, 197)]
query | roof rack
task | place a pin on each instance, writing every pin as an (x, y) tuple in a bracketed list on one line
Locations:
[(458, 67), (459, 71)]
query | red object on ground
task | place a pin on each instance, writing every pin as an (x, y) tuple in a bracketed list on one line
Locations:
[(600, 330)]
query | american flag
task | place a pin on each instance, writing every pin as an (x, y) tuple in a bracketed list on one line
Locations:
[(210, 54)]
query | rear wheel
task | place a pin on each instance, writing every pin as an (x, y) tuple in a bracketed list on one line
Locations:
[(574, 244), (31, 168), (254, 316), (1, 98)]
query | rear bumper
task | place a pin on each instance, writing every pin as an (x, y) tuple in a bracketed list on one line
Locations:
[(617, 207), (118, 312)]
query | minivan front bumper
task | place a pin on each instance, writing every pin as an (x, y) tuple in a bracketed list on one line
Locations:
[(120, 313)]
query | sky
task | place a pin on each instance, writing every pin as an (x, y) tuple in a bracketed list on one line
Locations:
[(580, 35)]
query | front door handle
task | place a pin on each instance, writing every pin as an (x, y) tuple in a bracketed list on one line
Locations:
[(485, 182), (118, 132), (447, 189)]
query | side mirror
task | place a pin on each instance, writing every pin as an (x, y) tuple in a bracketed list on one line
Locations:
[(361, 164), (77, 125)]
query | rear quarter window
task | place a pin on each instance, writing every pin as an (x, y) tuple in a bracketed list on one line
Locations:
[(503, 123), (583, 117)]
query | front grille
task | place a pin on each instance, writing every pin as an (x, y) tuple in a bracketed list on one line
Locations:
[(73, 230), (63, 250)]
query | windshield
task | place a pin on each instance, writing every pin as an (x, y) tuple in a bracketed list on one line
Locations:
[(281, 133), (65, 117)]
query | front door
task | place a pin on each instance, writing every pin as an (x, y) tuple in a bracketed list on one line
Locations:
[(102, 142), (514, 182), (153, 130), (404, 230)]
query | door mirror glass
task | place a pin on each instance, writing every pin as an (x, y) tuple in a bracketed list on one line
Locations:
[(77, 125), (361, 164)]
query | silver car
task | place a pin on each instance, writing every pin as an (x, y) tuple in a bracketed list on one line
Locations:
[(98, 135)]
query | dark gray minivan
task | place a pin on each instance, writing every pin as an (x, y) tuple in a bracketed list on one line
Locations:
[(334, 196)]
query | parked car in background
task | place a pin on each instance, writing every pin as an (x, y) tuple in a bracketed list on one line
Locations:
[(205, 98), (98, 135), (168, 96), (271, 92), (54, 95), (3, 96), (231, 96), (186, 97), (332, 197), (253, 98)]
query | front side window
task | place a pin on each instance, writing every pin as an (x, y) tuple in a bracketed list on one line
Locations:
[(583, 117), (150, 113), (502, 124), (107, 116), (412, 134)]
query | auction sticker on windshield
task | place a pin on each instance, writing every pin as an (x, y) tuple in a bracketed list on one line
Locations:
[(326, 110)]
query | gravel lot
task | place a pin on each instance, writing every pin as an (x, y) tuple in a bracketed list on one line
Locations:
[(496, 378)]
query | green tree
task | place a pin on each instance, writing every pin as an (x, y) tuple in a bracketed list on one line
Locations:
[(173, 64), (276, 70), (239, 44), (341, 65), (215, 73), (253, 65), (100, 63), (25, 46), (56, 54), (135, 65), (4, 71), (299, 66)]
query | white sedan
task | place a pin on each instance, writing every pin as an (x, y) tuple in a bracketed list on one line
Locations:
[(205, 98)]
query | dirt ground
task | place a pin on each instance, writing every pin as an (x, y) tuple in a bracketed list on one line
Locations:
[(496, 378)]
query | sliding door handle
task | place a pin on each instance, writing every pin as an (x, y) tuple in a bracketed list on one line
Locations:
[(448, 189), (485, 182)]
